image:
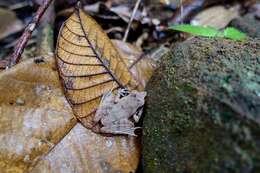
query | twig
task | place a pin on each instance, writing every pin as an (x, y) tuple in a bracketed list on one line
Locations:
[(137, 60), (181, 11), (131, 19), (19, 48)]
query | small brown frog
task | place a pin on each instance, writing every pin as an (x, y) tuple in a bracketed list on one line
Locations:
[(116, 111)]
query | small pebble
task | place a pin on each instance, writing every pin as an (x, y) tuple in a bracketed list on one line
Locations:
[(20, 102)]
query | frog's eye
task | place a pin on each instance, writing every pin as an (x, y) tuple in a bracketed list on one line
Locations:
[(134, 95)]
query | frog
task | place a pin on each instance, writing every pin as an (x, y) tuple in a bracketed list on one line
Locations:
[(119, 113)]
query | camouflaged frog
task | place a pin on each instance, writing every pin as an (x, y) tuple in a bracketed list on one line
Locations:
[(118, 113)]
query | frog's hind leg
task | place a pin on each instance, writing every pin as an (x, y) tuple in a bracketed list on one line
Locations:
[(123, 126), (138, 114), (115, 129)]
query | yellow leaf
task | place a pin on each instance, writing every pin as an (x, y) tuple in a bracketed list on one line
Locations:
[(89, 66)]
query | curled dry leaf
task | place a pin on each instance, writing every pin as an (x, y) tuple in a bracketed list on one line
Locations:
[(39, 134), (89, 66)]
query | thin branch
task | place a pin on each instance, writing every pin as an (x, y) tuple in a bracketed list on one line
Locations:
[(131, 19), (137, 60), (181, 11), (19, 48)]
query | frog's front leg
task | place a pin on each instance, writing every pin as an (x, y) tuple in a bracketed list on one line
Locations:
[(123, 126), (138, 114), (106, 105), (121, 93)]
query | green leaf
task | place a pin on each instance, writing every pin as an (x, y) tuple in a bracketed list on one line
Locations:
[(197, 30), (230, 32), (234, 34)]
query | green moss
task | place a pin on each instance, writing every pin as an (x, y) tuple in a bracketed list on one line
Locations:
[(202, 113)]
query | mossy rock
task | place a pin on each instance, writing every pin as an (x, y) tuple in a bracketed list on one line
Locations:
[(203, 109)]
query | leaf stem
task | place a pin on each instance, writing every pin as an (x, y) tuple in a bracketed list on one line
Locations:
[(22, 42), (95, 52), (131, 20)]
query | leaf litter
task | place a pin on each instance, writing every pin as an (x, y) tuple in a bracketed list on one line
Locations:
[(80, 141)]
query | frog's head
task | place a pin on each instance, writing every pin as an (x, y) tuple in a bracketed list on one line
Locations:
[(139, 97)]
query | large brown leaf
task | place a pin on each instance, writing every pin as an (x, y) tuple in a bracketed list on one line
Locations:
[(34, 115), (84, 151), (38, 132), (89, 65)]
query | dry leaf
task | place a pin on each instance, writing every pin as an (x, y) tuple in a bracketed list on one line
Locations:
[(217, 16), (177, 3), (83, 151), (123, 11), (9, 23), (34, 115), (39, 134), (3, 64), (141, 66), (89, 65)]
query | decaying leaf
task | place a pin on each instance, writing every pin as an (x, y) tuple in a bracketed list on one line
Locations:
[(216, 16), (89, 65), (39, 134)]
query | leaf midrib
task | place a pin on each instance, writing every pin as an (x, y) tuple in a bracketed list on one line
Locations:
[(96, 54)]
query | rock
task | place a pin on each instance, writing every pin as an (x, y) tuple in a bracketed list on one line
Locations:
[(203, 109), (248, 24)]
